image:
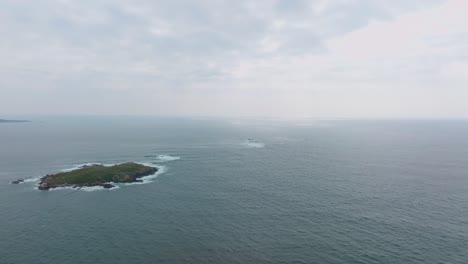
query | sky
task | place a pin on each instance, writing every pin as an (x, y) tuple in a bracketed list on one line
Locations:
[(271, 58)]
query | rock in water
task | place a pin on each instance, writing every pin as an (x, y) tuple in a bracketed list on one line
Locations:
[(17, 181), (107, 186), (43, 186)]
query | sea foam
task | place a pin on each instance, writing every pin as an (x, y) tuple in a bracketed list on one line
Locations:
[(36, 179), (147, 179), (253, 144), (86, 188), (164, 158), (98, 188)]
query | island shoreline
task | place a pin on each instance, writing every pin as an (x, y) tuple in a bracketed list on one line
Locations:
[(97, 175)]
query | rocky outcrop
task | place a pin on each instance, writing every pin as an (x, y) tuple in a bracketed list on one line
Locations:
[(43, 185), (17, 181), (107, 186)]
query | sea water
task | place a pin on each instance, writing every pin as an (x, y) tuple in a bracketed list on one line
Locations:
[(301, 192)]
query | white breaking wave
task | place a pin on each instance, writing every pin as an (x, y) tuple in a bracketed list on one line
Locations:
[(147, 179), (86, 189), (36, 179), (253, 144), (164, 158), (62, 188), (98, 188)]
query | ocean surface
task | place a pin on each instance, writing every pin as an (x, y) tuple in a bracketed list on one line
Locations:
[(298, 192)]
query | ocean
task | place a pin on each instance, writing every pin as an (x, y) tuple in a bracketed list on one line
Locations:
[(238, 191)]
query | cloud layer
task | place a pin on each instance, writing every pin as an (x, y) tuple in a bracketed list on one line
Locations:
[(288, 58)]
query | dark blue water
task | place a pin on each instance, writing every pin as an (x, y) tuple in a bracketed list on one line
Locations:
[(328, 192)]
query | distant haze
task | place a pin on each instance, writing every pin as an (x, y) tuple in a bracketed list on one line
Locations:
[(283, 58)]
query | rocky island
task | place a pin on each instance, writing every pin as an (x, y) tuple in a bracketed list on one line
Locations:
[(97, 175)]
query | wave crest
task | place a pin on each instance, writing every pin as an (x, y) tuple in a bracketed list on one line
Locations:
[(250, 143)]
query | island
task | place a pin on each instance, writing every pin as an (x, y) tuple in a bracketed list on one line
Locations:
[(97, 175), (13, 121)]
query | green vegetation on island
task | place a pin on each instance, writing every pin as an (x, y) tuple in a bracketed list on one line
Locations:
[(97, 175)]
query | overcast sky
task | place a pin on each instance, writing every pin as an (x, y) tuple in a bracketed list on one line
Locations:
[(284, 58)]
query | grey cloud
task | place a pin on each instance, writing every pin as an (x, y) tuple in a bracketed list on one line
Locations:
[(161, 46), (202, 28)]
